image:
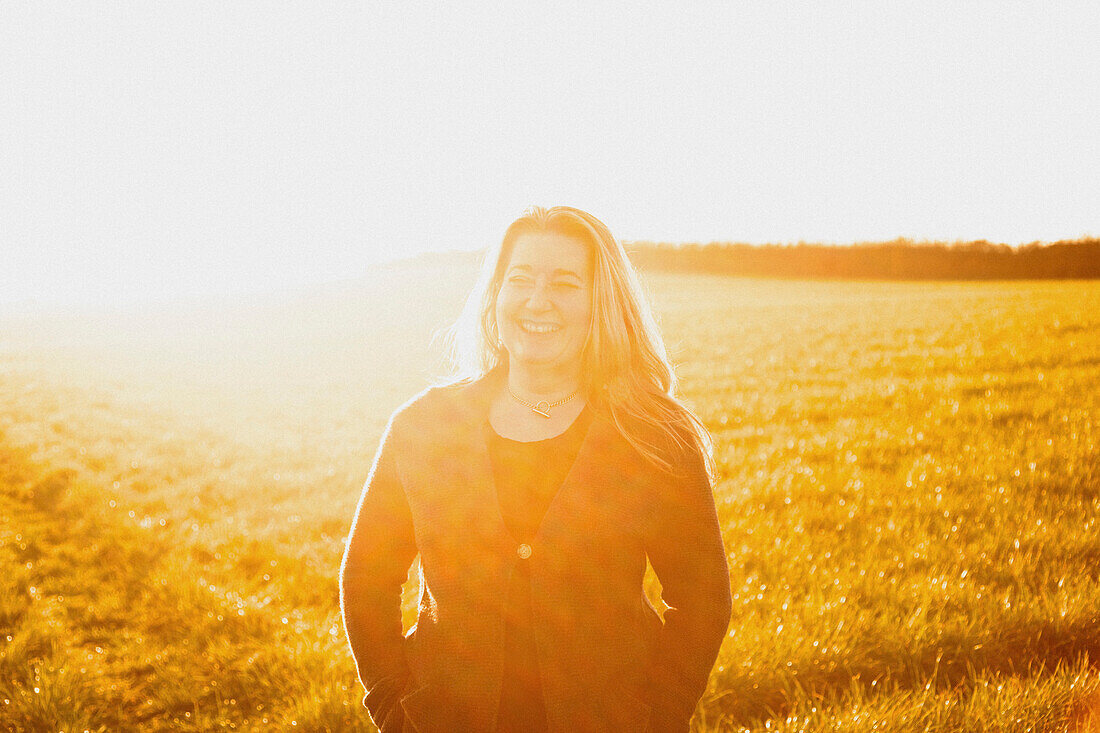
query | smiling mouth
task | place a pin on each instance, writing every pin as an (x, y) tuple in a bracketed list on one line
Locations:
[(533, 327)]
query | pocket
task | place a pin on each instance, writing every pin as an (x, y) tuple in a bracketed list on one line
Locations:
[(422, 711)]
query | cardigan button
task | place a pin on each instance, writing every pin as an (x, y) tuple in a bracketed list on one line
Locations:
[(524, 551)]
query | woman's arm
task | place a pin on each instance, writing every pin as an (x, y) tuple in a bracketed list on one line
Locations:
[(380, 549), (684, 544)]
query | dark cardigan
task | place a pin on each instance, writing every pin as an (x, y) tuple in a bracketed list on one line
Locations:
[(527, 475), (607, 663)]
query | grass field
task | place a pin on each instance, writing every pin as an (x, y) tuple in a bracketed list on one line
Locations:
[(909, 491)]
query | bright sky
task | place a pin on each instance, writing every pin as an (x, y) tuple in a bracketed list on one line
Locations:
[(152, 149)]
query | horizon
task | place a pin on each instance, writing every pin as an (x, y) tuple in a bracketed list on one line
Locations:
[(167, 302)]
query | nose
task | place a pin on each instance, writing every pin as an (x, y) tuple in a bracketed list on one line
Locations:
[(539, 300)]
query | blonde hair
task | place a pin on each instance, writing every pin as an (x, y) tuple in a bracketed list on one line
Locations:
[(627, 374)]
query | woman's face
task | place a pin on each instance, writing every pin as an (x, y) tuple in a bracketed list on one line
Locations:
[(545, 301)]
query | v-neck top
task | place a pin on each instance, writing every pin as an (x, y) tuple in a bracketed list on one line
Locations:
[(527, 476)]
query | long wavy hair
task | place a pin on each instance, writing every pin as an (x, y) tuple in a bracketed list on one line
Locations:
[(627, 374)]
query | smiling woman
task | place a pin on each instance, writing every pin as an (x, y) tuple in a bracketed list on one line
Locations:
[(543, 310), (544, 304), (534, 488)]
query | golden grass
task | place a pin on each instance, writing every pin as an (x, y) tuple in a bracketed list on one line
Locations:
[(909, 494)]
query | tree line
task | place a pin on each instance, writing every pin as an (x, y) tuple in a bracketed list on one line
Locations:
[(900, 259)]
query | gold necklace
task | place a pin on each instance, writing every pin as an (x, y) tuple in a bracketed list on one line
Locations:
[(542, 407)]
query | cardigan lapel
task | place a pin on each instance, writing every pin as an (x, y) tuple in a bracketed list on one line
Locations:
[(471, 441), (570, 497)]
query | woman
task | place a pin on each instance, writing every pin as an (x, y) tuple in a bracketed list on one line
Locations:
[(534, 490)]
